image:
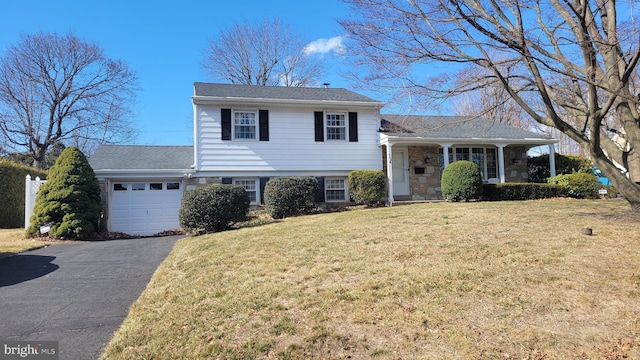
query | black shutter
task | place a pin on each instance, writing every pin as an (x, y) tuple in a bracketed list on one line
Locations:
[(225, 116), (263, 120), (227, 180), (319, 125), (320, 197), (263, 184), (353, 127)]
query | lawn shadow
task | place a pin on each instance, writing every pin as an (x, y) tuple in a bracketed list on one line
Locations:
[(21, 268)]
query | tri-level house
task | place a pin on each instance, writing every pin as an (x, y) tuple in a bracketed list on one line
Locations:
[(245, 135)]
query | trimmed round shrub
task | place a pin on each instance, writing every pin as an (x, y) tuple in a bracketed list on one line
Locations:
[(579, 185), (213, 208), (367, 186), (461, 180), (290, 195), (69, 202)]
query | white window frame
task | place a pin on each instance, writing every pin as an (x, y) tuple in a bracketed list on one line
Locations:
[(243, 182), (345, 127), (453, 156), (327, 181), (255, 125)]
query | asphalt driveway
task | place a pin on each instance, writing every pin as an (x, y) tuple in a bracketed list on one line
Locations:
[(76, 293)]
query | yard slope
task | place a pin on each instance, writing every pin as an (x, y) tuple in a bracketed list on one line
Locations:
[(511, 280)]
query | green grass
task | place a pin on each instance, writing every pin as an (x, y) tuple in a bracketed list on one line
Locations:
[(12, 241), (485, 280)]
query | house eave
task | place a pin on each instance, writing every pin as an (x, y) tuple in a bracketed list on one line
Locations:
[(142, 173), (386, 139), (213, 100)]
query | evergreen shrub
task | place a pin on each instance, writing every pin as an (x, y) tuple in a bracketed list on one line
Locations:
[(538, 166), (290, 195), (213, 208), (522, 191), (461, 180), (580, 185), (69, 202), (12, 192), (367, 186)]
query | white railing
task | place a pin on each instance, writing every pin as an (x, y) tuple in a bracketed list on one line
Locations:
[(31, 190)]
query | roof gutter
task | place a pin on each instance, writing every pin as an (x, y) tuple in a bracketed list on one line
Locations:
[(242, 100)]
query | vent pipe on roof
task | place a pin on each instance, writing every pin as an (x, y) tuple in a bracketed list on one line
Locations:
[(326, 85)]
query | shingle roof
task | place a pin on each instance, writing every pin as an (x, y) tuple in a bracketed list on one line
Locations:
[(142, 157), (278, 92), (452, 127)]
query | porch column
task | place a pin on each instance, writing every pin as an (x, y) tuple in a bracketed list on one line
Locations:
[(552, 160), (445, 154), (501, 162), (390, 174)]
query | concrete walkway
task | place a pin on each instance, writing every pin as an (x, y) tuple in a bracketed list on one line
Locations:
[(76, 293)]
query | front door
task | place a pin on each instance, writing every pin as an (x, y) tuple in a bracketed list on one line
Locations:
[(400, 162)]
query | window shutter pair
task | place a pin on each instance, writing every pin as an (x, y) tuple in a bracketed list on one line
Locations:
[(319, 126), (263, 124)]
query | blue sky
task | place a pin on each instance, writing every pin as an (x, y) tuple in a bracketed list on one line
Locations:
[(163, 42)]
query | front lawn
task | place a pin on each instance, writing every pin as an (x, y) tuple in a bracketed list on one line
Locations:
[(12, 241), (484, 280)]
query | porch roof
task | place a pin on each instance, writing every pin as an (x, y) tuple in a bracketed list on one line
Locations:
[(455, 130)]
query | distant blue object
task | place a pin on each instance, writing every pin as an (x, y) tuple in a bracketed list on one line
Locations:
[(603, 179)]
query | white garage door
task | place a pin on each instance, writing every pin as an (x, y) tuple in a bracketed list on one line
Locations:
[(144, 207)]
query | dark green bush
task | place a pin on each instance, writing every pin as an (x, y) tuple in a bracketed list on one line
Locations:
[(12, 191), (289, 196), (213, 208), (522, 191), (538, 166), (461, 180), (580, 185), (69, 202), (367, 186)]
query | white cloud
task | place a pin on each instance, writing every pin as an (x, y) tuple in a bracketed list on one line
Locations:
[(323, 46)]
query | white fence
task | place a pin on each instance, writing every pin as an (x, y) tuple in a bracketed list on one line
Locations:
[(31, 190)]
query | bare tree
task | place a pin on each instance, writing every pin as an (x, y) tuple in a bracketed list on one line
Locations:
[(60, 89), (266, 53), (575, 57)]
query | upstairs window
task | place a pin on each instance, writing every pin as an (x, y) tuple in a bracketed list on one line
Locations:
[(244, 125), (336, 126)]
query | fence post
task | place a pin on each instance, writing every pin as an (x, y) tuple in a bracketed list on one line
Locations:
[(27, 201), (30, 193)]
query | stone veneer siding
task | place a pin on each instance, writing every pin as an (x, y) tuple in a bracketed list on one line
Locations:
[(426, 186)]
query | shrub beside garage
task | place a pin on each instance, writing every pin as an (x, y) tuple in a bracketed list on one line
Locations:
[(213, 208)]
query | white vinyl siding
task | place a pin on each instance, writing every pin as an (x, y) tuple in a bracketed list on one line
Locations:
[(291, 148)]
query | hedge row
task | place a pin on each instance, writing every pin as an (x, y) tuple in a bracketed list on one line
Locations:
[(522, 191), (12, 192)]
